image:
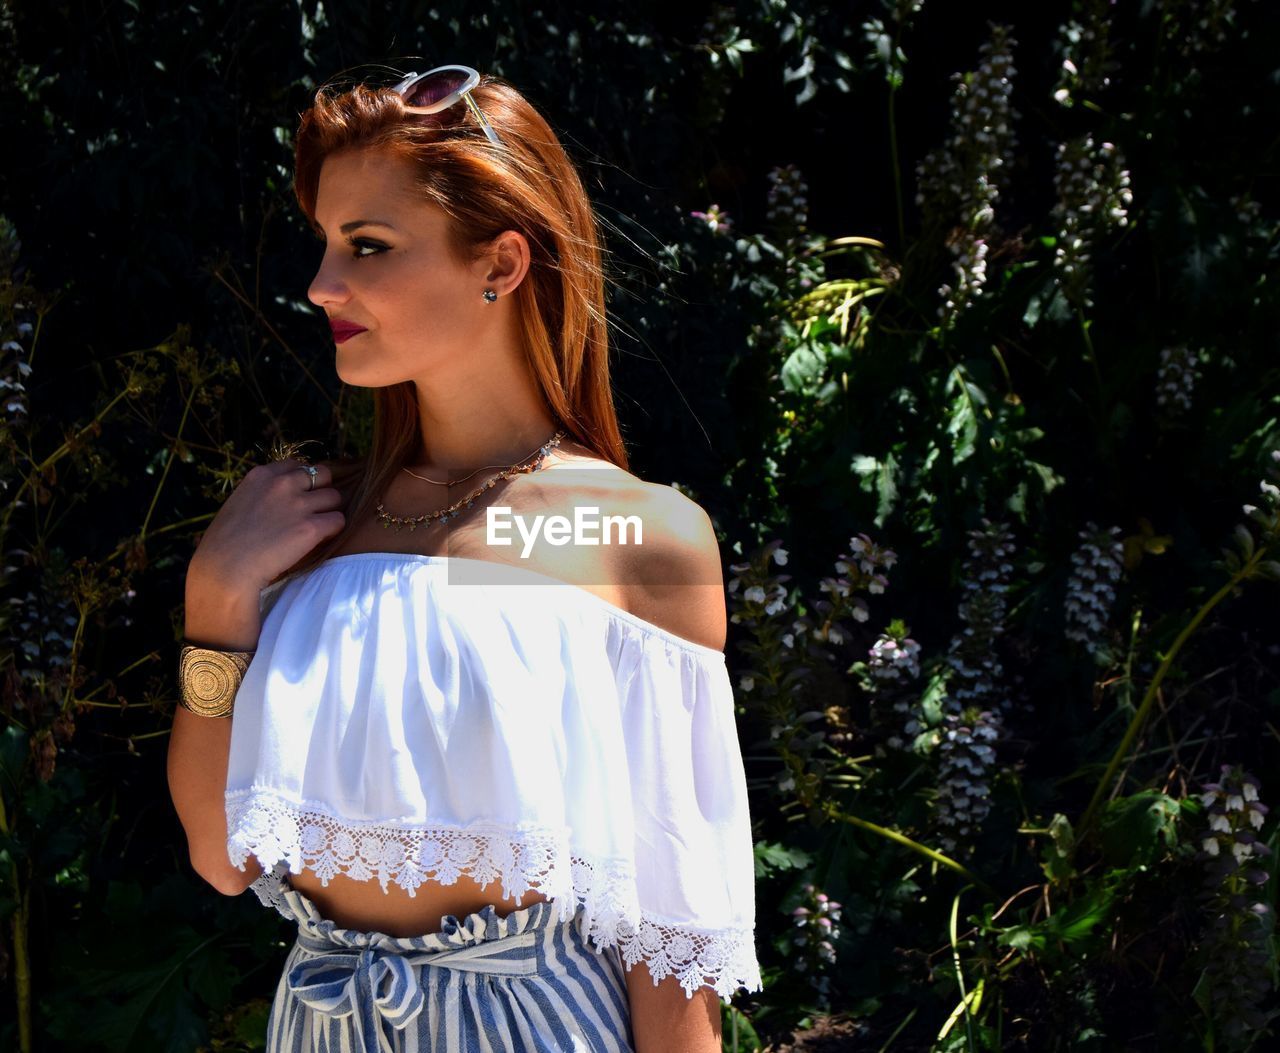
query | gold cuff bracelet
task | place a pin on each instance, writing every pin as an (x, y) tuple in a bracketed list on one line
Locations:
[(209, 679)]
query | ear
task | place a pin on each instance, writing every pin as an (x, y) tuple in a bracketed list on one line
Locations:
[(506, 263)]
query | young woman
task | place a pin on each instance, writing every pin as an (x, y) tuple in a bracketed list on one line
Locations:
[(497, 786)]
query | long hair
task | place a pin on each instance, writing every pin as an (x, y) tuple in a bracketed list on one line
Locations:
[(528, 184)]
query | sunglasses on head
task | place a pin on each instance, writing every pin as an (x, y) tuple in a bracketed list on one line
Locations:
[(440, 88)]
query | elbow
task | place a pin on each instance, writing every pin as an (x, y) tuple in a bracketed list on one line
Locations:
[(227, 879), (232, 884)]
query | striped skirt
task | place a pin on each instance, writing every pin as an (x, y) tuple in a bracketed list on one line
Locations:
[(485, 983)]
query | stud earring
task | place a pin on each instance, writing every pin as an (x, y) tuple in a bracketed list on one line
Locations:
[(490, 295)]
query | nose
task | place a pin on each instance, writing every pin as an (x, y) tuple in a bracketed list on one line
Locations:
[(327, 288)]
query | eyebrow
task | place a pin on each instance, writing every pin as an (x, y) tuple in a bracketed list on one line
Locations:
[(347, 228), (353, 224)]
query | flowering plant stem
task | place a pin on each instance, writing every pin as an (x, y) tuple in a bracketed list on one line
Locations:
[(835, 813), (1093, 361), (37, 470), (969, 1000), (22, 958), (1148, 700), (168, 462)]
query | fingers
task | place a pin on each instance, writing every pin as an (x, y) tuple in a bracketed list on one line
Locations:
[(322, 499), (291, 468)]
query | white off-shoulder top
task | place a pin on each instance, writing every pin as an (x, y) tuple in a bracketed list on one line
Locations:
[(402, 724)]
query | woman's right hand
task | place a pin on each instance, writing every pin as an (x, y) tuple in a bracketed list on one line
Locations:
[(270, 521)]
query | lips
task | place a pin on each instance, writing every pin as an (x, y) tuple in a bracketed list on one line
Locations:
[(344, 330)]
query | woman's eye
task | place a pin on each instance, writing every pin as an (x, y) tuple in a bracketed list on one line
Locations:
[(360, 243)]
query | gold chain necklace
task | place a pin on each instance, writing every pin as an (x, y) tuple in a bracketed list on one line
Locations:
[(446, 482), (530, 464)]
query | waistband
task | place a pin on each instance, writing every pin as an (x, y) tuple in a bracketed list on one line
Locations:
[(375, 977)]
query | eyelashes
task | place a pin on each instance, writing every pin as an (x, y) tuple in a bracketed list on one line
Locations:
[(360, 243)]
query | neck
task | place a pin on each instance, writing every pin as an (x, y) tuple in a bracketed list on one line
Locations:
[(457, 445), (482, 408)]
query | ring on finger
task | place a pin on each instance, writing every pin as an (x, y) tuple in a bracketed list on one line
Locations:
[(311, 471)]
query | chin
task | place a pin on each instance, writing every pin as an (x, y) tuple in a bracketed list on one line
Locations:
[(350, 371)]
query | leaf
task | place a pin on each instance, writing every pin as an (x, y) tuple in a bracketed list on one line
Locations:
[(1134, 829), (934, 696), (253, 1024), (878, 477), (1245, 540), (1022, 938), (13, 755), (771, 856), (802, 370), (1202, 994), (1047, 304), (1270, 569), (1049, 479), (213, 978), (1075, 922), (1056, 858)]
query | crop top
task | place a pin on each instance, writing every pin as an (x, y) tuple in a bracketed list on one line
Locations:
[(398, 725)]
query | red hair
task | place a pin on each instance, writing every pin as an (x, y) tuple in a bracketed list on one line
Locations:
[(529, 185)]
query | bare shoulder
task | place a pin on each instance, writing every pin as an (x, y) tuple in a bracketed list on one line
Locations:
[(674, 577), (669, 570), (681, 530)]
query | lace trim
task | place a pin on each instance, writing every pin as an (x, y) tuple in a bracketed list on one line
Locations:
[(286, 838)]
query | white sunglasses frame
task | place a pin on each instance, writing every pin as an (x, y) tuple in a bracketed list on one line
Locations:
[(464, 93)]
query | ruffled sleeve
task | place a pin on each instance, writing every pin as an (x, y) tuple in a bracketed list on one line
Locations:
[(695, 872)]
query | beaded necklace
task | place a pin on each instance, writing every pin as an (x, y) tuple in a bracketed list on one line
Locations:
[(530, 464)]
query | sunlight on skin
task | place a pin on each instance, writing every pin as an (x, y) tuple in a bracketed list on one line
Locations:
[(666, 1020)]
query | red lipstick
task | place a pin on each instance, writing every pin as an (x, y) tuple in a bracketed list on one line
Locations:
[(343, 331)]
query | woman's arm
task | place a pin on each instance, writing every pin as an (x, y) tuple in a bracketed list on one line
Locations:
[(271, 521), (199, 747), (678, 585), (666, 1020)]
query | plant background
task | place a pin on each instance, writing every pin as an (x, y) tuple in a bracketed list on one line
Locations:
[(995, 479)]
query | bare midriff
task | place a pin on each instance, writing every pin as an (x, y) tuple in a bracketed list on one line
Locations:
[(362, 905)]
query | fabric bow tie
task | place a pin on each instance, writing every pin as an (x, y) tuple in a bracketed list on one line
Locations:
[(375, 985)]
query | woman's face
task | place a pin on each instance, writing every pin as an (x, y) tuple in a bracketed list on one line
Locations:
[(422, 310)]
